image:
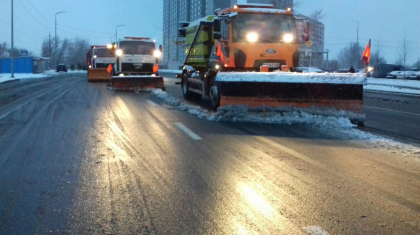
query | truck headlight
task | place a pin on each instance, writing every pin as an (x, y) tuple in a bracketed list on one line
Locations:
[(252, 37), (119, 52), (288, 38), (157, 54), (109, 46), (95, 56)]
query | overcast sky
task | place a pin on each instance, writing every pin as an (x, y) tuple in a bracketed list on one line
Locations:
[(95, 20)]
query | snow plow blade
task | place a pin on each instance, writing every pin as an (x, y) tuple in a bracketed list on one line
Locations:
[(98, 74), (135, 82), (341, 92)]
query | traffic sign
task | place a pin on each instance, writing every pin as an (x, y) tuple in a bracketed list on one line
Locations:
[(309, 43), (24, 53)]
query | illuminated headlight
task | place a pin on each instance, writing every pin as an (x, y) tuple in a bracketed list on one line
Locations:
[(121, 75), (109, 46), (370, 69), (217, 67), (288, 38), (95, 56), (119, 52), (252, 37), (90, 66), (157, 54)]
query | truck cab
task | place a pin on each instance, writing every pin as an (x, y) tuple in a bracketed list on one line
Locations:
[(136, 56), (102, 57)]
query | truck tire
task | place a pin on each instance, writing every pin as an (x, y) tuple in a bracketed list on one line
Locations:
[(214, 96), (184, 86)]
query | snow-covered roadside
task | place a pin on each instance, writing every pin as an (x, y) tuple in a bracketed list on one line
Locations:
[(170, 71), (337, 126), (4, 77), (394, 89), (393, 85)]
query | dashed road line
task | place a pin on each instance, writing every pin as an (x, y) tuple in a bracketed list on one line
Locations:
[(188, 131), (390, 110), (315, 230), (151, 103)]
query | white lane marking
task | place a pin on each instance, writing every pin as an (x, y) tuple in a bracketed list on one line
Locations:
[(315, 230), (151, 103), (187, 131), (390, 110)]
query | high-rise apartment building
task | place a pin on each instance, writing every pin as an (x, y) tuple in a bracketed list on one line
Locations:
[(175, 11)]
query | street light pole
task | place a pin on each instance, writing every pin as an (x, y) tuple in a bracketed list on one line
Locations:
[(55, 37), (11, 57), (116, 32), (357, 43)]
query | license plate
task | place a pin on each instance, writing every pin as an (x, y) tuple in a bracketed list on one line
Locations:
[(272, 65), (138, 65)]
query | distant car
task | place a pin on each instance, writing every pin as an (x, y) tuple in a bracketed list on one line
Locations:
[(61, 67), (400, 74), (309, 70), (415, 75)]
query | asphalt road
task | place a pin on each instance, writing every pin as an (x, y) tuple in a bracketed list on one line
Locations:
[(78, 158)]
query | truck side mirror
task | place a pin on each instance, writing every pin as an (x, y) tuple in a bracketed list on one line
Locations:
[(160, 48), (182, 32), (217, 26), (217, 35)]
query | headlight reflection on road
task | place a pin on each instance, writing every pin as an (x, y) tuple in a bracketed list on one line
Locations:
[(256, 200)]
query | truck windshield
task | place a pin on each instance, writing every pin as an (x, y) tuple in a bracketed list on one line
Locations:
[(103, 52), (269, 27), (137, 47)]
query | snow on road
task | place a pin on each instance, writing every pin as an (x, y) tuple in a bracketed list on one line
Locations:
[(337, 126)]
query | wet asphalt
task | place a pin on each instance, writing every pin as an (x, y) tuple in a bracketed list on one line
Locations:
[(78, 158)]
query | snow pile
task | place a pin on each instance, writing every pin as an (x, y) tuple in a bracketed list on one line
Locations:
[(324, 78), (287, 115), (334, 124)]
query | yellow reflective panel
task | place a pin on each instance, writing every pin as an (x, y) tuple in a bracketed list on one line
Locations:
[(254, 199)]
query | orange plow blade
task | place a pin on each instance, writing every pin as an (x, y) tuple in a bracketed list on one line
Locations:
[(275, 90), (133, 82), (98, 74)]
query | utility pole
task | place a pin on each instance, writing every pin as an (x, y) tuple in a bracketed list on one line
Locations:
[(49, 49), (55, 37), (11, 58)]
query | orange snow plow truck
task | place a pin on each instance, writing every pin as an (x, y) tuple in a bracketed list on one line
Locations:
[(247, 54), (98, 59)]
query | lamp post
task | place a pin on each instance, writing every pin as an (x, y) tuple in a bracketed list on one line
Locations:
[(116, 32), (11, 58), (55, 37), (357, 43)]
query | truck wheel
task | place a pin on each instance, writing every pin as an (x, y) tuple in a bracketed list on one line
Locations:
[(214, 97), (185, 85)]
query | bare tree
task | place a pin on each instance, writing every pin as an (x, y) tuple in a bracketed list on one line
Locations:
[(403, 51), (349, 55), (377, 57), (317, 15), (77, 51)]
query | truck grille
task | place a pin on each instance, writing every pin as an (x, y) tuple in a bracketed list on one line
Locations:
[(144, 68)]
